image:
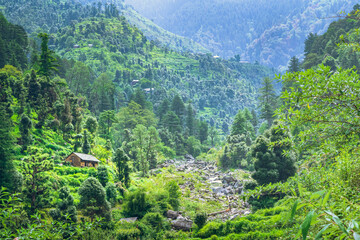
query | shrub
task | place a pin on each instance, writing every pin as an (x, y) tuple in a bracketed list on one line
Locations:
[(136, 204), (200, 219)]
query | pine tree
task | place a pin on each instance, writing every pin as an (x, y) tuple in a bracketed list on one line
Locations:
[(267, 100), (86, 145), (172, 122), (34, 168), (163, 108), (6, 145), (65, 208), (93, 199), (139, 97), (190, 119), (271, 164), (122, 163), (203, 132), (294, 65), (107, 118), (239, 125), (103, 175), (47, 61), (25, 128), (177, 106), (254, 120)]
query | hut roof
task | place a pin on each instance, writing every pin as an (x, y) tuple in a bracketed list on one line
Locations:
[(86, 157)]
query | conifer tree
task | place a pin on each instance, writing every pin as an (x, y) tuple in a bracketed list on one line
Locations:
[(172, 122), (294, 65), (190, 120), (25, 128), (47, 60), (103, 175), (239, 124), (65, 208), (6, 144), (122, 163), (139, 97), (271, 164), (34, 167), (254, 120), (93, 199), (267, 100), (86, 145), (163, 108), (91, 124), (203, 132), (177, 106)]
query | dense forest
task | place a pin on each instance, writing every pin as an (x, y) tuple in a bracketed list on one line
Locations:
[(269, 32), (108, 135)]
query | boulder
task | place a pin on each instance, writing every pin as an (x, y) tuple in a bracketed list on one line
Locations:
[(172, 214), (182, 223)]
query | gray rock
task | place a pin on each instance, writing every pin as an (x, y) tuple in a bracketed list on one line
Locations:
[(172, 214), (182, 223)]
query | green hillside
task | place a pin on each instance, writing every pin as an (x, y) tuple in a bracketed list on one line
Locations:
[(125, 54)]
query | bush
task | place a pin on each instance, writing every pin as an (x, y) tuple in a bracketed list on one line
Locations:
[(200, 219), (136, 204)]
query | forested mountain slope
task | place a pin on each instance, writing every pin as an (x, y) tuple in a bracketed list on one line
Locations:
[(111, 45), (53, 15), (270, 32)]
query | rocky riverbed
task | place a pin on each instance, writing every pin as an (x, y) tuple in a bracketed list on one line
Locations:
[(224, 188)]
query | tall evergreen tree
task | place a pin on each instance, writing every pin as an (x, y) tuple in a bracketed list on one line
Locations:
[(203, 131), (34, 168), (47, 60), (172, 122), (122, 163), (267, 100), (139, 97), (294, 65), (6, 145), (93, 199), (239, 125), (86, 144), (254, 120), (178, 106), (190, 119), (163, 108), (271, 164)]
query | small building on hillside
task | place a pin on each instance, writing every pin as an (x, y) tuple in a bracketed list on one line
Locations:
[(82, 160), (134, 82)]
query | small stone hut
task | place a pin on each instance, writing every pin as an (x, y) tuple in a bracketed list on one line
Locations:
[(82, 160)]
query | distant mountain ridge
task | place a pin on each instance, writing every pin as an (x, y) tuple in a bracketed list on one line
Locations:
[(270, 32)]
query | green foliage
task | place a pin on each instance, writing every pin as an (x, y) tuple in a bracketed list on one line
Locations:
[(157, 223), (47, 62), (34, 168), (13, 44), (327, 118), (136, 204), (86, 147), (200, 219), (193, 146), (91, 124), (271, 164), (93, 199), (111, 193), (65, 208), (267, 101), (145, 144), (6, 143), (122, 163), (174, 194), (103, 175)]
